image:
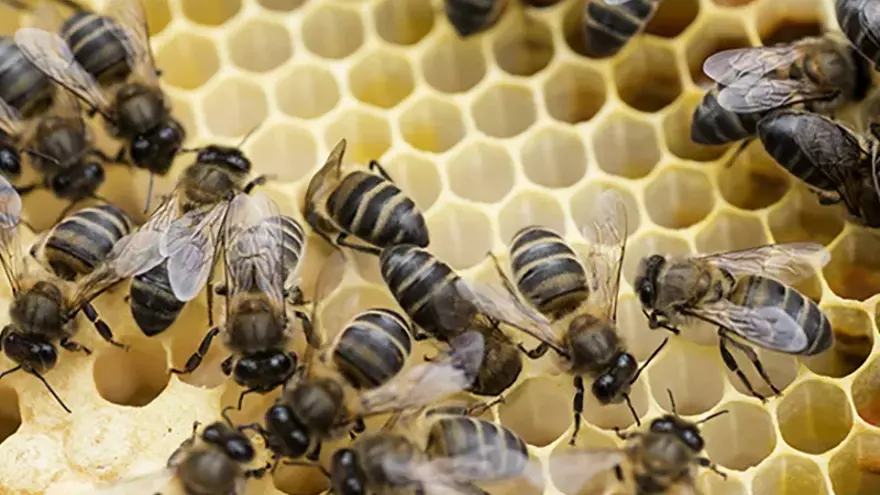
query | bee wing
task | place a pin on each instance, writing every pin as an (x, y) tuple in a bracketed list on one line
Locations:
[(788, 263), (763, 94), (607, 235), (323, 181), (147, 484), (139, 252), (10, 120), (65, 105), (10, 244), (576, 467), (869, 19), (768, 326), (128, 22), (254, 244), (190, 243), (51, 55), (742, 66)]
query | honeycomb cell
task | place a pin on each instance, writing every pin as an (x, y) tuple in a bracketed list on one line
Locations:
[(284, 151), (134, 377), (299, 480), (626, 146), (10, 414), (213, 14), (740, 439), (504, 110), (332, 31), (553, 157), (530, 208), (782, 369), (729, 231), (866, 392), (584, 213), (182, 110), (565, 471), (691, 373), (524, 47), (648, 61), (482, 172), (855, 468), (679, 198), (309, 91), (345, 303), (281, 5), (673, 17), (417, 176), (789, 474), (381, 78), (710, 482), (574, 92), (452, 65), (432, 124), (853, 340), (814, 416), (260, 46), (854, 269), (158, 15), (368, 135), (187, 60), (234, 108), (676, 130), (650, 243), (461, 235), (732, 3), (801, 218), (715, 34), (538, 410), (753, 181), (404, 23), (784, 21)]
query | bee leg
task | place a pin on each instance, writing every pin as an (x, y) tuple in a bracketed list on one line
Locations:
[(706, 463), (618, 473), (508, 285), (358, 428), (256, 181), (481, 407), (25, 190), (376, 167), (315, 453), (753, 357), (341, 241), (226, 365), (184, 446), (101, 326), (259, 472), (241, 396), (739, 150), (535, 353), (655, 322), (72, 346), (196, 359), (731, 364), (578, 407)]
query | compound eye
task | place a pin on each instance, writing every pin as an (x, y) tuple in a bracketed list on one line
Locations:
[(239, 449)]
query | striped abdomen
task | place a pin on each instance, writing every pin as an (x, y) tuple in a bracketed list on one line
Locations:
[(714, 125), (95, 48), (84, 239), (778, 133), (376, 211), (153, 305), (547, 272), (424, 287), (372, 348), (294, 240), (608, 28), (22, 86), (471, 442), (849, 17), (754, 291)]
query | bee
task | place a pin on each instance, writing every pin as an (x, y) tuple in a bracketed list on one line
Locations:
[(551, 277), (372, 348), (746, 294), (433, 296), (608, 25), (860, 22), (817, 74), (829, 157), (469, 17), (82, 241), (22, 86), (363, 205)]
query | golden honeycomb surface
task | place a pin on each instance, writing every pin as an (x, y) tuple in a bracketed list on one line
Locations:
[(490, 134)]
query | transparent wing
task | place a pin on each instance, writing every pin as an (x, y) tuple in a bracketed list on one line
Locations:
[(770, 94), (788, 263), (147, 484), (254, 244), (576, 467), (127, 20), (768, 327), (190, 243), (742, 66), (10, 244), (607, 235), (10, 120), (325, 179), (66, 106), (50, 54), (139, 251)]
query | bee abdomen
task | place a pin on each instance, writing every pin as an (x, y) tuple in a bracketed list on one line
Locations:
[(607, 28), (547, 271), (153, 305), (294, 239), (22, 85), (714, 125), (94, 47), (778, 135), (83, 240), (373, 348), (848, 17), (471, 442)]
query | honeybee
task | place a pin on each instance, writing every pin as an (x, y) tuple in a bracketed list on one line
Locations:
[(363, 205), (860, 22), (469, 17), (551, 277), (829, 157), (372, 348), (746, 294), (608, 25), (22, 86)]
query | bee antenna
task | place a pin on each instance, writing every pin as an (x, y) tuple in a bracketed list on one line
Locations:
[(33, 152), (248, 135), (182, 151), (632, 409), (713, 416), (225, 415), (672, 402), (648, 361), (874, 159), (149, 193), (46, 384)]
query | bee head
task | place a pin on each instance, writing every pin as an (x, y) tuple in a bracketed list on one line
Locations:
[(10, 161), (686, 432), (264, 371), (286, 434), (236, 446), (227, 157), (646, 279), (78, 182), (155, 150), (611, 386), (346, 475)]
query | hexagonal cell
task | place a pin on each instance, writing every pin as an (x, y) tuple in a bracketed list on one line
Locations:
[(453, 65), (215, 14), (710, 482), (866, 392), (284, 151), (158, 15), (716, 34), (740, 439), (234, 108), (782, 369), (461, 235), (381, 78), (789, 474), (538, 410), (482, 172), (260, 46), (730, 231), (647, 77), (800, 218), (368, 135), (574, 93), (855, 469), (784, 21), (345, 303), (673, 17), (679, 197), (10, 414), (404, 23), (563, 471), (187, 60), (554, 157), (418, 177), (853, 341), (854, 269), (333, 31), (583, 209), (753, 181), (626, 146), (523, 47), (299, 480), (181, 109), (432, 124), (309, 91), (691, 373), (647, 244), (134, 377), (814, 416), (677, 132), (504, 110), (530, 208), (281, 5)]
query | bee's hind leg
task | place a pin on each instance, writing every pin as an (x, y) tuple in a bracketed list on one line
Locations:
[(753, 357), (578, 406), (732, 365)]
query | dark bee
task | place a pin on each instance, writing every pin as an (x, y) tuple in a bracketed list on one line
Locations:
[(608, 25), (372, 348), (860, 22), (745, 294), (589, 343), (82, 241), (430, 293), (24, 87), (363, 205), (470, 17), (829, 157)]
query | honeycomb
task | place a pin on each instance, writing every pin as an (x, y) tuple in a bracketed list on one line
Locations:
[(489, 134)]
